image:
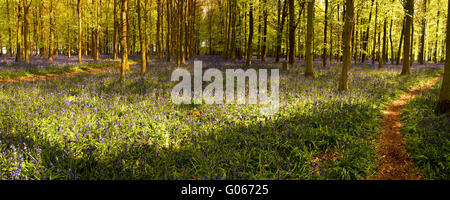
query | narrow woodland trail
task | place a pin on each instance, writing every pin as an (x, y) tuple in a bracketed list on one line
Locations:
[(53, 76), (394, 163)]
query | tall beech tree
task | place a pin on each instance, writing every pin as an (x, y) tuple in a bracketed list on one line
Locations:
[(19, 31), (123, 39), (80, 30), (309, 56), (51, 50), (250, 35), (421, 56), (443, 105), (409, 10), (347, 43), (142, 31)]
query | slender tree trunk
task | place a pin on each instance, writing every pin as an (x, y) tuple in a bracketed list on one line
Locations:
[(116, 30), (402, 36), (422, 36), (141, 22), (291, 31), (437, 32), (250, 37), (233, 30), (406, 48), (309, 40), (443, 105), (19, 31), (169, 31), (26, 30), (158, 29), (123, 39), (325, 44), (9, 29), (282, 14), (383, 59), (347, 43), (391, 42), (374, 52), (264, 43), (51, 50), (68, 29), (366, 35), (80, 29)]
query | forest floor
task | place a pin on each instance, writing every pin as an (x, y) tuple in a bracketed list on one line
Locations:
[(89, 126), (395, 162)]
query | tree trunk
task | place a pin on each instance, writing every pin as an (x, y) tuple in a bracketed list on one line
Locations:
[(142, 38), (52, 32), (402, 36), (374, 52), (116, 30), (292, 31), (169, 31), (26, 30), (391, 42), (158, 29), (282, 14), (422, 36), (80, 30), (9, 29), (366, 35), (123, 40), (437, 33), (19, 31), (264, 43), (233, 30), (325, 45), (250, 37), (406, 47), (347, 43), (383, 59), (309, 40), (443, 105)]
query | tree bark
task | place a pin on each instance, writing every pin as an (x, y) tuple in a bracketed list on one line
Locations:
[(142, 38), (402, 36), (374, 52), (347, 43), (282, 15), (422, 36), (366, 35), (406, 47), (309, 40), (437, 33), (9, 29), (264, 43), (250, 36), (325, 44), (383, 57), (52, 32), (169, 31), (80, 30), (123, 40), (19, 31), (116, 30), (292, 31), (26, 30), (443, 105)]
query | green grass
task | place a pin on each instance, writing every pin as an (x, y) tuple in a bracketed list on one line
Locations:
[(52, 70), (92, 127), (428, 135)]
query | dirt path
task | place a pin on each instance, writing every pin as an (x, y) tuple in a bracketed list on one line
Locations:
[(394, 163), (53, 76)]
